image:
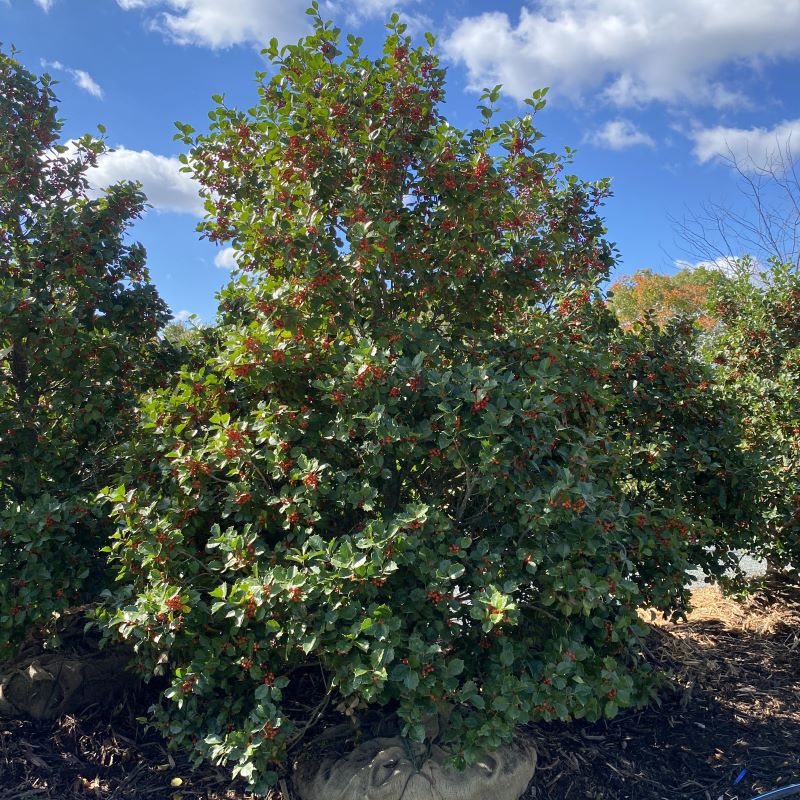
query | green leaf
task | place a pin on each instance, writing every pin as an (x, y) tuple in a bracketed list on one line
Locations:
[(455, 666)]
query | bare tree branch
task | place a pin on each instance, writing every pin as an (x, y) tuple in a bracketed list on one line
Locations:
[(765, 226)]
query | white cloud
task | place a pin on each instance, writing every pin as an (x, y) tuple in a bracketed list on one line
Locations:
[(45, 5), (750, 148), (620, 134), (87, 82), (377, 9), (82, 78), (219, 24), (416, 24), (356, 11), (183, 315), (166, 187), (225, 258), (359, 10), (631, 51)]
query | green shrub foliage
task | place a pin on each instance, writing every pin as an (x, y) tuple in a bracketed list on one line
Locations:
[(756, 353), (402, 466), (681, 434), (78, 322)]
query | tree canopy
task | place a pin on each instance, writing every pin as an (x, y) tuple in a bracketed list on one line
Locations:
[(685, 293)]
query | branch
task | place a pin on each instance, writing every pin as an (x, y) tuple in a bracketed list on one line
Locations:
[(312, 720)]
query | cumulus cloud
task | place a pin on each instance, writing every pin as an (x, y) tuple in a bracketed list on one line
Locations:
[(750, 148), (183, 315), (82, 78), (620, 134), (630, 51), (216, 24), (86, 82), (377, 8), (166, 187), (212, 23), (356, 11), (225, 258)]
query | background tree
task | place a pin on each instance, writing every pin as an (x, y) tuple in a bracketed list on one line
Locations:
[(765, 225), (665, 297), (78, 325), (401, 469), (191, 344)]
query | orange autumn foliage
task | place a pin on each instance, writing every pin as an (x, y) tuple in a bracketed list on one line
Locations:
[(685, 293)]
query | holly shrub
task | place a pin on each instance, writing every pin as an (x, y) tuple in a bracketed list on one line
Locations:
[(682, 434), (756, 353), (78, 324), (402, 467)]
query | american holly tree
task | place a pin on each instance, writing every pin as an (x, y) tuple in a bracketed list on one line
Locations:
[(401, 466), (78, 325), (682, 434), (756, 353)]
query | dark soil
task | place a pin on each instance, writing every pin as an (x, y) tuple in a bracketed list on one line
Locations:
[(733, 707)]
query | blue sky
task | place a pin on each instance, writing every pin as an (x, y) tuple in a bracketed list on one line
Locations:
[(649, 92)]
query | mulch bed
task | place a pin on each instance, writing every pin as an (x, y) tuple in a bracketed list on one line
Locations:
[(732, 708), (734, 705)]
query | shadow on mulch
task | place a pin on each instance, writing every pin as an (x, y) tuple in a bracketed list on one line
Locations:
[(734, 705), (103, 753)]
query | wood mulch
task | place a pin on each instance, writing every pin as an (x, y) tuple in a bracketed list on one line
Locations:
[(733, 707), (732, 712)]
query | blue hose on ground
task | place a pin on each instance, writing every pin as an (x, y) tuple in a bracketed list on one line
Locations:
[(786, 791)]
